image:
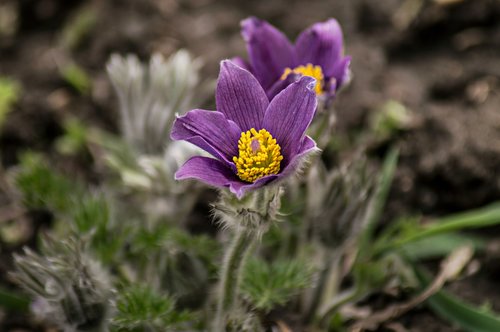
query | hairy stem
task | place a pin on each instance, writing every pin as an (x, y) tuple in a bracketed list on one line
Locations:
[(231, 273)]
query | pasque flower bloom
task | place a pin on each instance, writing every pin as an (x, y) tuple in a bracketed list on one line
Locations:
[(254, 141), (318, 52)]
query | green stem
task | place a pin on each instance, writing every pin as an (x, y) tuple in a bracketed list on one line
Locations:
[(377, 205), (343, 298), (320, 286), (331, 287), (231, 273)]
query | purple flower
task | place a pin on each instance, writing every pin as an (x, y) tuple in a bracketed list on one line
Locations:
[(254, 141), (275, 62)]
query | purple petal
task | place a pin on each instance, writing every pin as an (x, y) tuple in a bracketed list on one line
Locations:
[(330, 91), (210, 131), (289, 114), (308, 146), (240, 97), (321, 44), (280, 85), (211, 171), (240, 188), (215, 173), (240, 62), (341, 72), (269, 50), (334, 83)]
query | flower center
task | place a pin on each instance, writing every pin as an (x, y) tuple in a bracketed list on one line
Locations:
[(259, 155), (307, 70)]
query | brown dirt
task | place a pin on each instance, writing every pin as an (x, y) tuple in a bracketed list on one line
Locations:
[(443, 67)]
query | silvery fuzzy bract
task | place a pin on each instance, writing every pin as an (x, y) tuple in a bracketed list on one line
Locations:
[(69, 288), (151, 94), (338, 200)]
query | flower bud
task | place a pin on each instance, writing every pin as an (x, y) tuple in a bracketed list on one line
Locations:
[(151, 94), (70, 289), (340, 201)]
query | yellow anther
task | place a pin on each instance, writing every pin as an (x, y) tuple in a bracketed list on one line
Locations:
[(307, 70), (259, 155)]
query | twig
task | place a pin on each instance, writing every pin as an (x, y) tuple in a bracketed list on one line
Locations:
[(450, 268)]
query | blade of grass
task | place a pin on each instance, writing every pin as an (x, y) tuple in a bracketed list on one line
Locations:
[(378, 202), (482, 217), (439, 245), (461, 313), (13, 301), (77, 77)]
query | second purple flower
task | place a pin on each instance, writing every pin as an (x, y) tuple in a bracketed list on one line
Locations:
[(318, 52)]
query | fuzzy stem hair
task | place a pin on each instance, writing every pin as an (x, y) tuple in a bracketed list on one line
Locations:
[(231, 273)]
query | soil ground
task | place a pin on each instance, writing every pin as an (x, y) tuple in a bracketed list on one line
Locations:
[(441, 61)]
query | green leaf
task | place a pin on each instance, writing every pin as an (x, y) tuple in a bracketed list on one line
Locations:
[(118, 155), (41, 187), (79, 27), (12, 301), (482, 217), (390, 118), (141, 308), (461, 313), (9, 94), (91, 216), (86, 212), (166, 238), (74, 139), (266, 285), (183, 263), (75, 76), (439, 245), (92, 212)]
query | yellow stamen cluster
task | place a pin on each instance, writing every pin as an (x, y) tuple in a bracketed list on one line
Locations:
[(259, 155), (308, 70)]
